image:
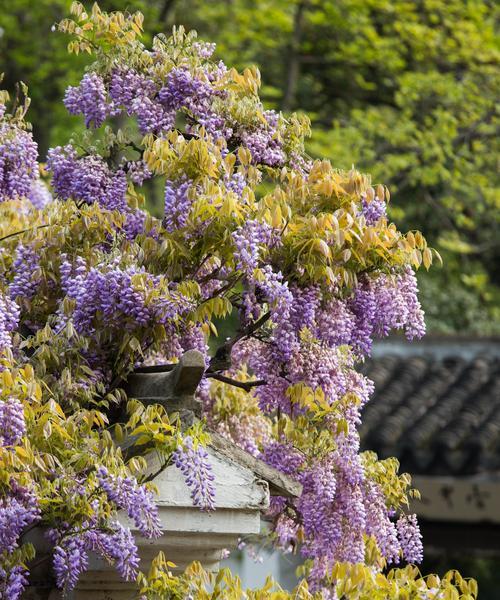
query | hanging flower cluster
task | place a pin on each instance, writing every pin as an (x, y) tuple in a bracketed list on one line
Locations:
[(92, 285)]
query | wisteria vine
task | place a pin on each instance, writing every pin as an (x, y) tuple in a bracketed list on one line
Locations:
[(92, 285)]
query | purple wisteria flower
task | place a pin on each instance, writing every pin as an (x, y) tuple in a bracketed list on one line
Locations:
[(374, 210), (39, 194), (18, 510), (13, 582), (12, 423), (9, 319), (115, 544), (195, 466), (136, 500), (18, 162), (89, 100), (410, 538), (70, 561), (178, 202), (87, 179), (249, 239), (27, 276)]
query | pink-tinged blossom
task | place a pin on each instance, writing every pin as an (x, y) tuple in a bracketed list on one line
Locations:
[(195, 466), (410, 538)]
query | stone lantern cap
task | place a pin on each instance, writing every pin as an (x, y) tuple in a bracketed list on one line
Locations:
[(174, 386)]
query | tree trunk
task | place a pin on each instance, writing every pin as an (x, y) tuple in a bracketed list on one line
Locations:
[(166, 10), (293, 62)]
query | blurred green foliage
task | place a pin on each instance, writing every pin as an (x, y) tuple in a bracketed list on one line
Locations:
[(405, 89)]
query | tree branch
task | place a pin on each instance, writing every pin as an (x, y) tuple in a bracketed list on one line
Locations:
[(10, 235), (221, 361), (244, 385)]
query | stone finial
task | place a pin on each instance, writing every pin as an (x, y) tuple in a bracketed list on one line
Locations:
[(173, 386)]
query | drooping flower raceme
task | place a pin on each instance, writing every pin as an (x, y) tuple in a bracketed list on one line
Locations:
[(9, 319), (194, 464), (18, 161), (411, 539), (136, 500)]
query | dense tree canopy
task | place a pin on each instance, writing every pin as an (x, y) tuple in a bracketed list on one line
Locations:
[(405, 90)]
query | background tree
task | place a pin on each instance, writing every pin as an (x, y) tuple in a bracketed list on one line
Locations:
[(408, 89)]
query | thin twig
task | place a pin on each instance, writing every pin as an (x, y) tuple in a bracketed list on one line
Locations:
[(10, 235), (244, 385)]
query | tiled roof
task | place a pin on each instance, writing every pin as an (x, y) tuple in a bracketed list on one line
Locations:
[(436, 407)]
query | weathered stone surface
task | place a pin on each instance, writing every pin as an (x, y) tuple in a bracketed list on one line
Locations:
[(173, 387)]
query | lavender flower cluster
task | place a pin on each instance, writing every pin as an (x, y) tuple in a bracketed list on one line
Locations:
[(178, 202), (39, 194), (155, 105), (26, 276), (316, 343), (18, 161), (9, 319), (12, 423), (89, 100), (87, 179), (13, 582), (110, 292), (195, 466), (311, 337), (136, 500), (263, 141), (374, 210), (72, 547), (19, 509)]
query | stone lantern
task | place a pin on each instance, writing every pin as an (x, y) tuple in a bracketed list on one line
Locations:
[(243, 486)]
